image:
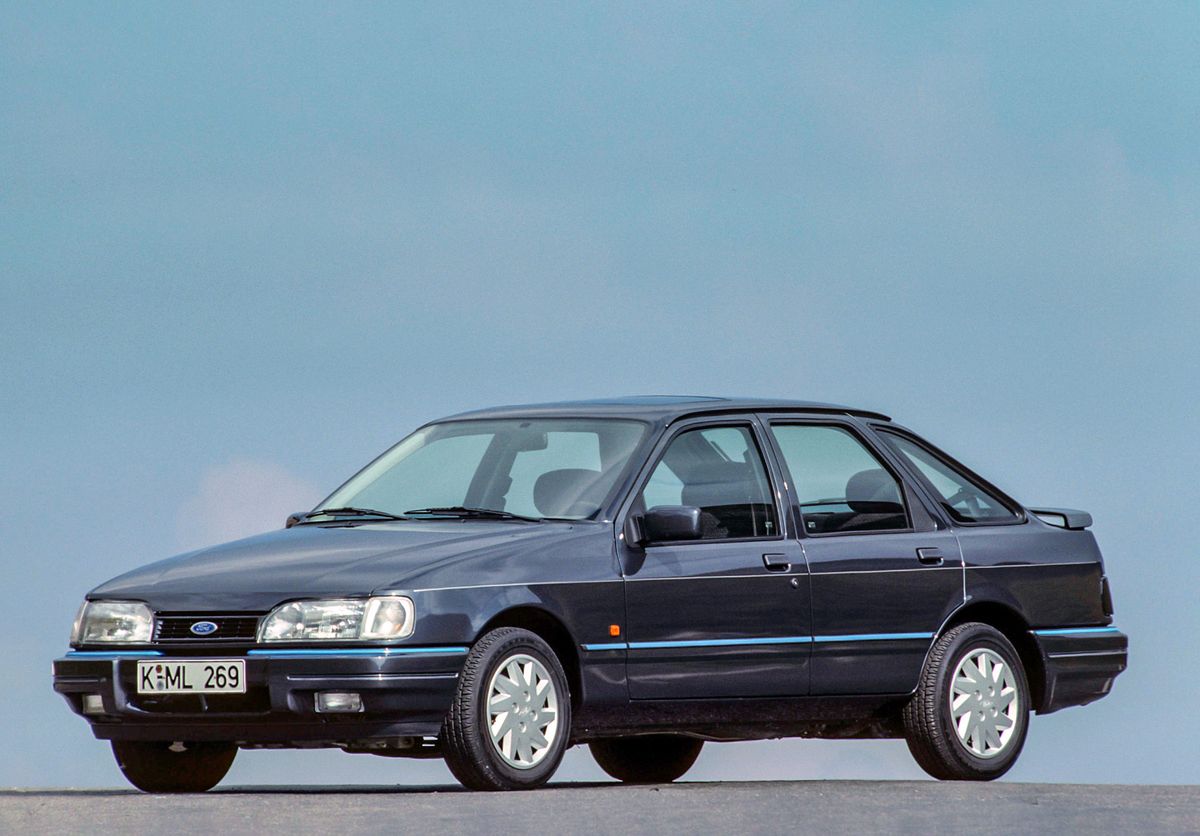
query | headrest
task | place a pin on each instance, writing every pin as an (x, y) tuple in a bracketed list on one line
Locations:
[(725, 483), (556, 493), (873, 492)]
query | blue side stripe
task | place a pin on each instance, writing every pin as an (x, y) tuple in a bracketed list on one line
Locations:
[(110, 654), (1071, 631), (353, 651), (719, 642), (873, 637), (862, 637)]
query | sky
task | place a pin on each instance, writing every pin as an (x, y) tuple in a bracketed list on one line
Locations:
[(246, 247)]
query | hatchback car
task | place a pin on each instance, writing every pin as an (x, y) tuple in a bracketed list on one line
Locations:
[(640, 574)]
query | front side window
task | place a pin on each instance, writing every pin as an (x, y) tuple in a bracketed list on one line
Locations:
[(720, 471), (841, 485), (543, 467), (962, 497)]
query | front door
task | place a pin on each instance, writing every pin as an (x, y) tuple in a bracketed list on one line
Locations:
[(884, 575), (725, 615)]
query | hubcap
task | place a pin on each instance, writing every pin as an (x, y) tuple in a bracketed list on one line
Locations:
[(522, 711), (984, 702)]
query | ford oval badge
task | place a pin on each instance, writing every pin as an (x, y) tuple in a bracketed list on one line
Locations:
[(203, 628)]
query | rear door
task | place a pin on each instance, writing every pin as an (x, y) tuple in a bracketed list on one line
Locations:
[(884, 573), (726, 615)]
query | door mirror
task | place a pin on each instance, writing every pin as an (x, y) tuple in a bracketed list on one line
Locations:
[(294, 518), (671, 522)]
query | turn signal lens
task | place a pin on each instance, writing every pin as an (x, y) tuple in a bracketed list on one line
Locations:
[(388, 617)]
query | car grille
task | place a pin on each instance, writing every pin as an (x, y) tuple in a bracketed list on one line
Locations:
[(178, 628)]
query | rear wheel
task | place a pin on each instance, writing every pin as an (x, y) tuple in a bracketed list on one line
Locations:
[(968, 719), (173, 767), (510, 721), (648, 759)]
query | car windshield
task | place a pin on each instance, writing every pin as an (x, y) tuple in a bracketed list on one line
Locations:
[(556, 468)]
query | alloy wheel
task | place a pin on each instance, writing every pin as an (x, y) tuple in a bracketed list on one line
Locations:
[(984, 702), (522, 711)]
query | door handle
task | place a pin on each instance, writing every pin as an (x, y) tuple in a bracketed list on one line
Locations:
[(930, 555), (776, 562)]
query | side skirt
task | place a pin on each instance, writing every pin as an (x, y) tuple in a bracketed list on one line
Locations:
[(870, 717)]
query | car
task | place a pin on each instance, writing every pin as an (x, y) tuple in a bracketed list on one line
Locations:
[(641, 575)]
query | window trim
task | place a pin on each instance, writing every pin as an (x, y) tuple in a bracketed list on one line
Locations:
[(1019, 516), (869, 445), (709, 422)]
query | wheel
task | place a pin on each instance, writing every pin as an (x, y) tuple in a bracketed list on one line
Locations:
[(510, 721), (173, 767), (968, 719), (648, 759)]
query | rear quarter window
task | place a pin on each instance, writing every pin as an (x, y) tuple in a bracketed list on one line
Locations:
[(963, 495)]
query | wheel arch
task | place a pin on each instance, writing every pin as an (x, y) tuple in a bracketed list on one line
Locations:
[(1016, 629), (553, 631)]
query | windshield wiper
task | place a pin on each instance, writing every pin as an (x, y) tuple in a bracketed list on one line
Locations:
[(472, 513), (353, 512)]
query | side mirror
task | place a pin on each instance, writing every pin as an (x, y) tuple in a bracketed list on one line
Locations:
[(294, 518), (671, 522)]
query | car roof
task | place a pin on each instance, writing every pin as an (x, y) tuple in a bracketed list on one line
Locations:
[(660, 408)]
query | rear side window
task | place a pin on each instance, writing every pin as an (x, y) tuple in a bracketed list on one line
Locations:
[(720, 471), (841, 485), (963, 497)]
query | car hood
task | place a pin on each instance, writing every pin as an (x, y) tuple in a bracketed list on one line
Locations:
[(309, 561)]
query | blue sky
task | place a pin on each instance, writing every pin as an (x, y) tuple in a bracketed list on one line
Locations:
[(245, 248)]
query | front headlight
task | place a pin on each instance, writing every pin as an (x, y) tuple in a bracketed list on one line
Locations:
[(115, 622), (349, 619)]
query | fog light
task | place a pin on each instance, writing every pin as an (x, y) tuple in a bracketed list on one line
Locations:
[(93, 704), (330, 702)]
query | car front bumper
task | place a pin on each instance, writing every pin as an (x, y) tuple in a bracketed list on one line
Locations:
[(405, 694), (1080, 664)]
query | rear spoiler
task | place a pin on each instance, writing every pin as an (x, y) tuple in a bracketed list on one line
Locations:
[(1063, 517)]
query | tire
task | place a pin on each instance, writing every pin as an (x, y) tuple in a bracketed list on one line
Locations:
[(984, 700), (648, 759), (172, 767), (501, 663)]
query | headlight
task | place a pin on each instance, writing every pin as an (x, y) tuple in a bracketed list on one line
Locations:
[(389, 617), (117, 622)]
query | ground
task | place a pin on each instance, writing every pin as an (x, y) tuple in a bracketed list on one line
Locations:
[(752, 807)]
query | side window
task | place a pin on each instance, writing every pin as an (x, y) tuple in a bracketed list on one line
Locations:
[(962, 497), (720, 471), (841, 485)]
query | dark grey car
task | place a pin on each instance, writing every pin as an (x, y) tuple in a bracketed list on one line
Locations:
[(638, 574)]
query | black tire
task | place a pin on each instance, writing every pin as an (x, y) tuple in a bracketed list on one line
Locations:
[(466, 742), (647, 759), (168, 767), (929, 729)]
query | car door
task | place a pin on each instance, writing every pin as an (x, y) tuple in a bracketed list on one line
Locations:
[(884, 573), (725, 615)]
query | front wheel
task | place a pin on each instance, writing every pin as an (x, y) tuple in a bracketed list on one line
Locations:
[(173, 767), (968, 719), (648, 759), (510, 721)]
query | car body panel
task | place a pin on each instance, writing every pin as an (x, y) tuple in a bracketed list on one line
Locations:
[(876, 608)]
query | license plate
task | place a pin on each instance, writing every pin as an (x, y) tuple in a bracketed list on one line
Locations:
[(201, 676)]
